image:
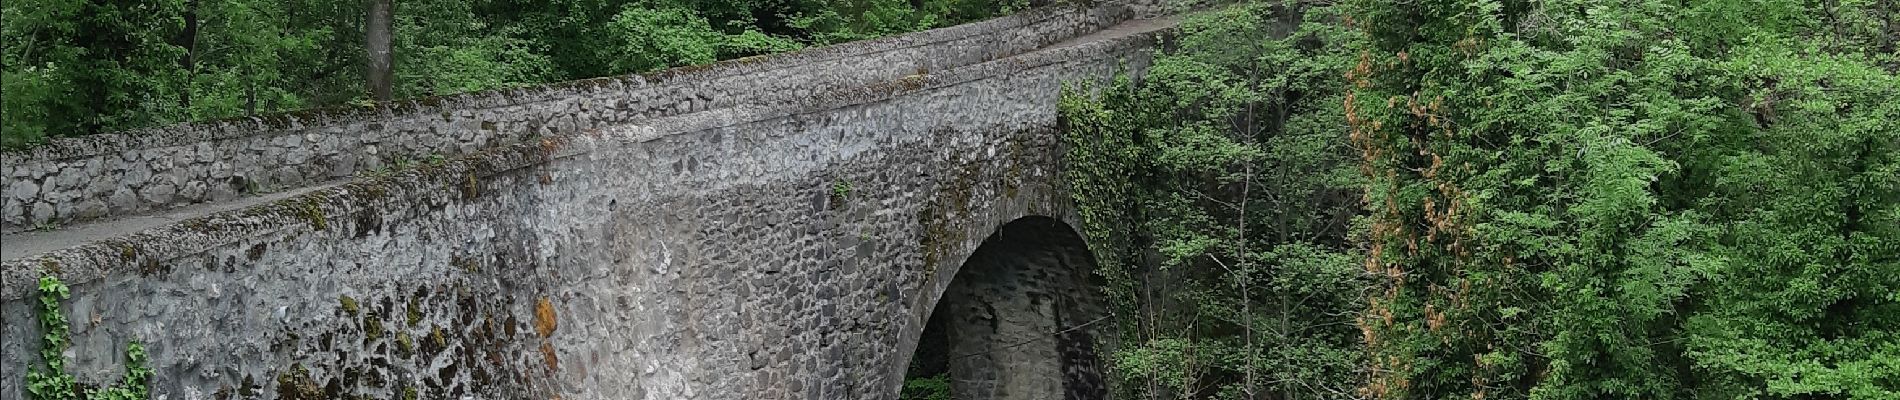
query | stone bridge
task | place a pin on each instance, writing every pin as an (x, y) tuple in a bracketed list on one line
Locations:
[(779, 227)]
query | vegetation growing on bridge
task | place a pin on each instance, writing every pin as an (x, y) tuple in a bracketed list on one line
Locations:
[(51, 381), (1574, 199)]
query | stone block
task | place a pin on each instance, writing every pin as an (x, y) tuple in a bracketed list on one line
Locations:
[(158, 192), (41, 212), (90, 209), (123, 200), (22, 190)]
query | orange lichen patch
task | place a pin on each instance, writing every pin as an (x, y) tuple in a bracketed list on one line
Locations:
[(544, 323), (547, 355)]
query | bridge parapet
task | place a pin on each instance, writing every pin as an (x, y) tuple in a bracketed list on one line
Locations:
[(86, 178), (773, 251)]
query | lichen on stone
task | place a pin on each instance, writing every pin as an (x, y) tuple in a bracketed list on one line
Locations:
[(544, 321)]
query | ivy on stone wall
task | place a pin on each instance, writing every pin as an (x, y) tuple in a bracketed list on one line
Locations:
[(51, 381)]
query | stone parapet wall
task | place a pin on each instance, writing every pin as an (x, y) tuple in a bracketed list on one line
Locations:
[(78, 179)]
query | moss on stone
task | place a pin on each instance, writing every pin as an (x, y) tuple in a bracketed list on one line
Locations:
[(256, 251), (466, 264), (348, 303), (1013, 177), (415, 311), (312, 212), (373, 191), (403, 345), (372, 327), (295, 384), (751, 59), (151, 266), (911, 82), (472, 187), (248, 389), (200, 225), (940, 237), (928, 242), (49, 265)]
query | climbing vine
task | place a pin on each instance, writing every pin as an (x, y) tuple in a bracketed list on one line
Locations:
[(51, 381)]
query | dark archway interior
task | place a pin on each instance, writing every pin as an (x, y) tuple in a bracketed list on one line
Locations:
[(1019, 320)]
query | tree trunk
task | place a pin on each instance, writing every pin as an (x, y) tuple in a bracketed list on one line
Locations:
[(188, 40), (250, 96), (377, 33), (1890, 32)]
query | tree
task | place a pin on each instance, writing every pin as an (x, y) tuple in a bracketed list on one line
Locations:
[(1216, 191), (188, 41), (76, 67), (1655, 199)]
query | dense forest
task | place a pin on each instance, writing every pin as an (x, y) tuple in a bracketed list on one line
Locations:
[(1300, 199), (1562, 199), (77, 67)]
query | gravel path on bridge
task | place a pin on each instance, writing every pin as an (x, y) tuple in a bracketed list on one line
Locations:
[(1126, 28), (31, 243)]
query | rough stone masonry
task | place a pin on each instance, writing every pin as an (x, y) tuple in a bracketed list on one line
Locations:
[(788, 242)]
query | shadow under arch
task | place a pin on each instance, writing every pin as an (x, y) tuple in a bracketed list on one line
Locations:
[(1019, 319)]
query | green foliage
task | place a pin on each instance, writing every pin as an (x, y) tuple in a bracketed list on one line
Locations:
[(449, 49), (841, 189), (650, 39), (837, 21), (1217, 194), (926, 388), (1568, 200), (84, 66), (51, 381), (78, 67), (1636, 199)]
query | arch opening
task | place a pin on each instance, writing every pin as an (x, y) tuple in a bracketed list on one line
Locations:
[(1019, 320)]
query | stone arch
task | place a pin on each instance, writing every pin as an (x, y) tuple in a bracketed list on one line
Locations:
[(1019, 318)]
